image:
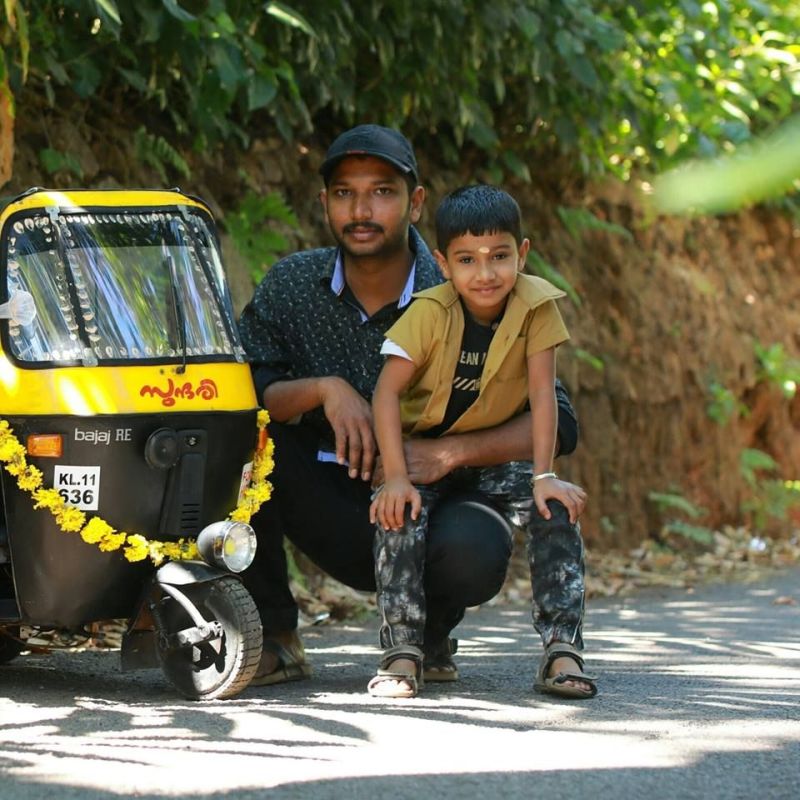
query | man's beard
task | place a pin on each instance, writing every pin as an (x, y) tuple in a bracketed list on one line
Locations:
[(384, 247)]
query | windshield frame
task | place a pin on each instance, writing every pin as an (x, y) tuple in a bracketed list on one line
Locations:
[(200, 244)]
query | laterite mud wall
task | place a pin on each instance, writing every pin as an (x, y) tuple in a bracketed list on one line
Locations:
[(663, 312)]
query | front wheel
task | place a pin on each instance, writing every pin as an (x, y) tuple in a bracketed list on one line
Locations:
[(222, 666)]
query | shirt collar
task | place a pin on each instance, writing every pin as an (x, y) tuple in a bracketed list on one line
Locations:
[(338, 282)]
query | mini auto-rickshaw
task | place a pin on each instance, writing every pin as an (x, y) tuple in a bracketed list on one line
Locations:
[(132, 451)]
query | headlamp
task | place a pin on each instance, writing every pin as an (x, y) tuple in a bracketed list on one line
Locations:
[(228, 544)]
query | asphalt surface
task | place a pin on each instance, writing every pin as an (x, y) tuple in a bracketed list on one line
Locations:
[(700, 697)]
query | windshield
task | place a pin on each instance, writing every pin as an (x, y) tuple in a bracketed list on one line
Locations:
[(119, 286)]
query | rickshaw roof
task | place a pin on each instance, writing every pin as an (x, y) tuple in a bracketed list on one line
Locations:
[(73, 199)]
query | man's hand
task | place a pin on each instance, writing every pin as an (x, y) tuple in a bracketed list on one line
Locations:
[(350, 417), (573, 497), (388, 507), (427, 460)]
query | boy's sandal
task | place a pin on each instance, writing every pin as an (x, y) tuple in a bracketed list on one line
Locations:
[(390, 682), (557, 684), (438, 665)]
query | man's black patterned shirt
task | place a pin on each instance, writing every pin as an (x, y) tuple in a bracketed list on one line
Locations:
[(296, 326)]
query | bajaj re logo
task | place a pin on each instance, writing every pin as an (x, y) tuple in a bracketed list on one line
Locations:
[(104, 437), (93, 437)]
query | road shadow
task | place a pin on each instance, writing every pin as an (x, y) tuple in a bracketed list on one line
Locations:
[(724, 662)]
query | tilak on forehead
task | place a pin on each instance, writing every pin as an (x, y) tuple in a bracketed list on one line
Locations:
[(483, 249)]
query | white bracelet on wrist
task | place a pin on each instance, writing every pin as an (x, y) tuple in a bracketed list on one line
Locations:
[(543, 475)]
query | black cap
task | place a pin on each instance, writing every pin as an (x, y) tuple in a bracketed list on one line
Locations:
[(372, 140)]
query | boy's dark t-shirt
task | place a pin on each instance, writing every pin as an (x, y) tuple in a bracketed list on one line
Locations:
[(467, 379)]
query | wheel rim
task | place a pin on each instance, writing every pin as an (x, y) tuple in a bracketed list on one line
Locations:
[(220, 667)]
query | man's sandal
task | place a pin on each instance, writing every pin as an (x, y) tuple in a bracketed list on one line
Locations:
[(438, 665), (287, 662), (557, 684), (393, 683)]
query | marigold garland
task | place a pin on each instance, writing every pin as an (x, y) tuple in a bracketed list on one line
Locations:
[(98, 532)]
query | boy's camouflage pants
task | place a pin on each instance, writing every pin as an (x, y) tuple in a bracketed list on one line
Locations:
[(554, 547)]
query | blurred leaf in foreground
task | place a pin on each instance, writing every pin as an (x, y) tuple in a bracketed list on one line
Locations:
[(766, 169)]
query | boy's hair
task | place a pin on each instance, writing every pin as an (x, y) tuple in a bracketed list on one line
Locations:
[(478, 210)]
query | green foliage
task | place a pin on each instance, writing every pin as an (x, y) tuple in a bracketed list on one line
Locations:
[(251, 226), (771, 499), (695, 533), (537, 265), (579, 220), (595, 362), (203, 68), (55, 161), (670, 502), (723, 405), (609, 84), (774, 500), (752, 461), (767, 169), (159, 154), (776, 367), (14, 28), (675, 502)]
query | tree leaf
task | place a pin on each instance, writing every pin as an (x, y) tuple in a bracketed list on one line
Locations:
[(178, 12), (261, 91), (135, 79), (109, 8), (290, 17), (55, 161), (516, 166), (536, 265)]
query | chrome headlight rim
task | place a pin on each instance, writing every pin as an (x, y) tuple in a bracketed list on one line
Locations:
[(228, 544)]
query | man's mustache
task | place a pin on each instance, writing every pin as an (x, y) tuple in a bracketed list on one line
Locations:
[(362, 226)]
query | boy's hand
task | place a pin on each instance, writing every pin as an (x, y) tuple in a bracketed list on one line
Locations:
[(569, 494), (388, 507)]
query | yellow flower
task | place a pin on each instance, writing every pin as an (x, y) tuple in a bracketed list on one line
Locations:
[(112, 541), (70, 519), (96, 530), (30, 479), (262, 465), (48, 498), (157, 556), (137, 549), (11, 449), (240, 514), (182, 549)]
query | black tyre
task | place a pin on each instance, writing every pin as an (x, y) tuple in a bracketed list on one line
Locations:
[(10, 645), (221, 667)]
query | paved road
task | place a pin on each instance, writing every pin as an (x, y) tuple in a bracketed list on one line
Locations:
[(700, 698)]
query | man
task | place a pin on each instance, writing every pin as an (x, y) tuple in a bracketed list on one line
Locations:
[(313, 331)]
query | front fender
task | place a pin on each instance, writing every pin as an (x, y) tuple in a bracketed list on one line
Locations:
[(182, 573), (138, 643)]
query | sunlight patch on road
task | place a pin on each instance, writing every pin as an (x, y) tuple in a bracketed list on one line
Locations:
[(782, 676)]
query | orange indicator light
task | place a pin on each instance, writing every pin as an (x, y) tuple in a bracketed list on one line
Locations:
[(46, 445)]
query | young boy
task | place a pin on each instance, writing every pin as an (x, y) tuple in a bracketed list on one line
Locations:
[(469, 355)]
